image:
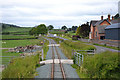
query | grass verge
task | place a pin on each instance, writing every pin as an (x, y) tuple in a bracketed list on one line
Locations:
[(67, 47), (104, 65), (21, 67)]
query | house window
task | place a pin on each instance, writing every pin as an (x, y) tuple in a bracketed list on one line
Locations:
[(96, 34)]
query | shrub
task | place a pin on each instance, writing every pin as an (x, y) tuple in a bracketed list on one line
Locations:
[(103, 65), (75, 37)]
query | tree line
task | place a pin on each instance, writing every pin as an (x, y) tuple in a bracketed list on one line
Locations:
[(82, 31)]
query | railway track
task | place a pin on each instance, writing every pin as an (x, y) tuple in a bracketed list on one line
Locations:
[(53, 70)]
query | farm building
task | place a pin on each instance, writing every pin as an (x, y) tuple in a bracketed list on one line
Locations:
[(112, 32)]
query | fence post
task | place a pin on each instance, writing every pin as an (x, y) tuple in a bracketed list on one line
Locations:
[(42, 55)]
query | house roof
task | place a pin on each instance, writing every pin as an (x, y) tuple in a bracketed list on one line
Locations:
[(93, 22), (101, 28), (113, 26), (99, 22), (115, 21)]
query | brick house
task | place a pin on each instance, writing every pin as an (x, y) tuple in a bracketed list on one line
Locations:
[(97, 28)]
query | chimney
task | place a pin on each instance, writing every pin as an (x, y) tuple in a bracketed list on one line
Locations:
[(112, 17), (101, 17), (109, 17)]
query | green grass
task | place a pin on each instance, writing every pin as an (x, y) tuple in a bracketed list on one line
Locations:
[(21, 67), (15, 43), (16, 29), (67, 47), (103, 65), (16, 36), (12, 44), (56, 32), (45, 48)]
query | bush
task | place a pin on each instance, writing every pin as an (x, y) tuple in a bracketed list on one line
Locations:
[(103, 65), (75, 37)]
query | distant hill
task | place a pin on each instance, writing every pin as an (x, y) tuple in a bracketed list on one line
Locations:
[(14, 29)]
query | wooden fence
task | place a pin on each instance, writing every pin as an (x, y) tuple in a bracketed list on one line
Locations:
[(78, 57)]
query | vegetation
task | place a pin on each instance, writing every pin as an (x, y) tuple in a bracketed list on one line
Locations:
[(17, 37), (67, 47), (74, 28), (14, 43), (83, 30), (21, 67), (56, 32), (40, 29), (64, 27), (50, 27), (45, 48), (13, 29), (6, 60), (103, 65)]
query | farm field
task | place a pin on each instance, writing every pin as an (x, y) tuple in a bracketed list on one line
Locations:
[(14, 43), (16, 29), (16, 36)]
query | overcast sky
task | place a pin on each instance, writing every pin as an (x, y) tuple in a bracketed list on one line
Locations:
[(55, 12)]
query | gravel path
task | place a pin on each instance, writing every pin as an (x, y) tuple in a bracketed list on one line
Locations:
[(45, 70), (102, 49)]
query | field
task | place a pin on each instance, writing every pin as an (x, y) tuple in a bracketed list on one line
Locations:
[(16, 30), (14, 43), (16, 37)]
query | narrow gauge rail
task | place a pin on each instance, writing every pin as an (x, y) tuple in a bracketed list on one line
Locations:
[(53, 66)]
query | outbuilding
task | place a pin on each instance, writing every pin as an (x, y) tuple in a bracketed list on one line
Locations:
[(112, 32)]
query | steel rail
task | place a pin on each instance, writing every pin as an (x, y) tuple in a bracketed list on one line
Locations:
[(52, 71), (61, 66)]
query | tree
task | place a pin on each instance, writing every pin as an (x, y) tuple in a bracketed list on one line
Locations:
[(40, 29), (69, 29), (78, 31), (74, 28), (64, 27), (50, 27), (116, 16), (83, 30), (33, 31)]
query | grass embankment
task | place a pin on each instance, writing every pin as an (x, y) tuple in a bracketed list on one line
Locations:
[(103, 65), (67, 47), (17, 37), (21, 67), (45, 48)]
